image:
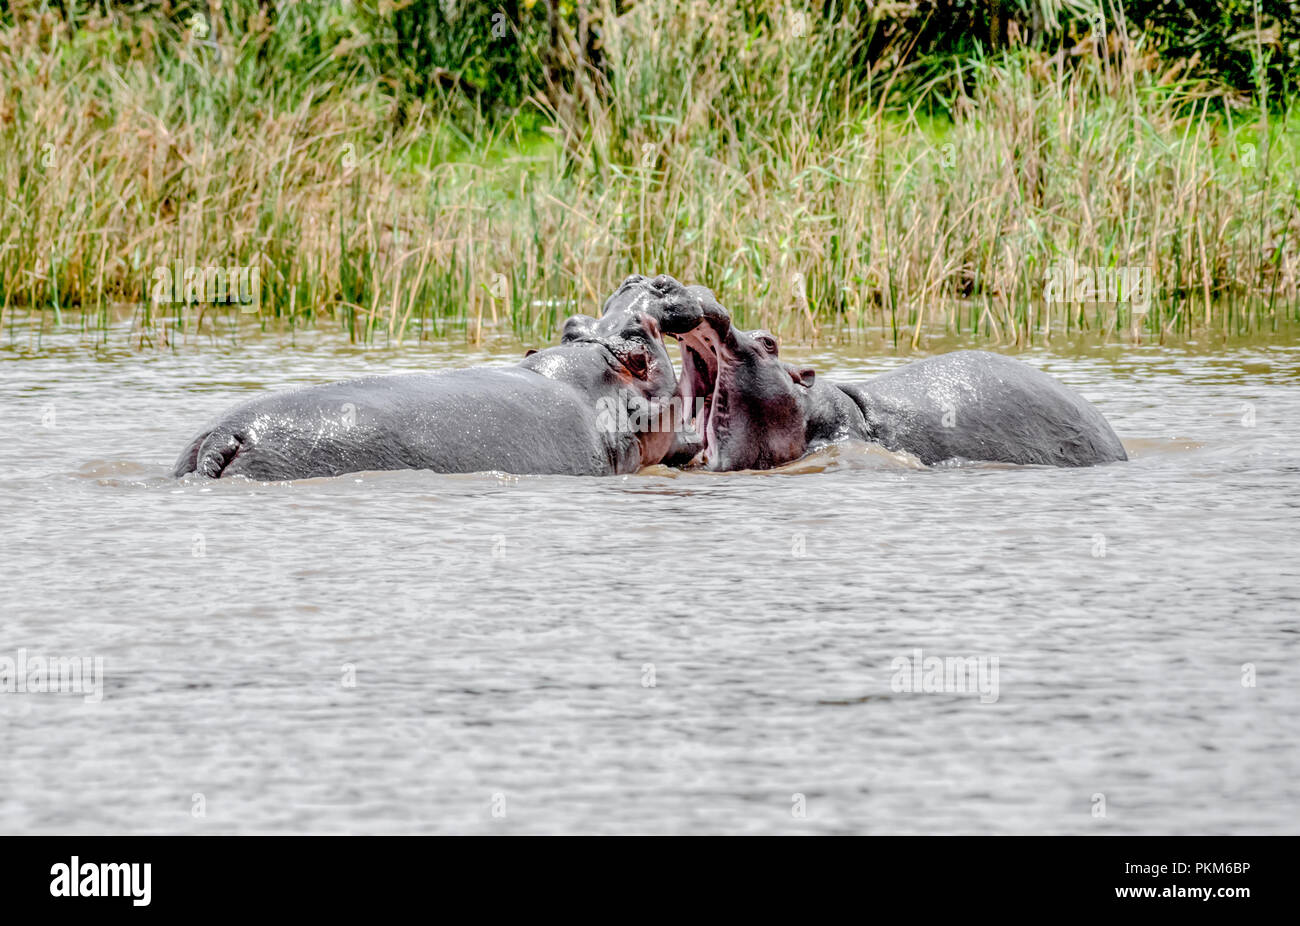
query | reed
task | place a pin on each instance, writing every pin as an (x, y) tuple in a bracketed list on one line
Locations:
[(748, 153)]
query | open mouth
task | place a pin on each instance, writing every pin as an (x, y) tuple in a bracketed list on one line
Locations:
[(661, 308), (697, 386)]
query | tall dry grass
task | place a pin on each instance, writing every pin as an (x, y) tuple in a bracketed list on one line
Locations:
[(718, 149)]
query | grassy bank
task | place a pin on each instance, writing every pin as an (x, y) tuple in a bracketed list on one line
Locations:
[(749, 156)]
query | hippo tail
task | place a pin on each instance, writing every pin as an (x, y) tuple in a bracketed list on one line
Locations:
[(209, 453)]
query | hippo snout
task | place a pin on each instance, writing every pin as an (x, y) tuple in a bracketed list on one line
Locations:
[(664, 285), (629, 281), (660, 285), (676, 308)]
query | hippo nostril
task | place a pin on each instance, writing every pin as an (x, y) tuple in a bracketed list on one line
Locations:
[(665, 284)]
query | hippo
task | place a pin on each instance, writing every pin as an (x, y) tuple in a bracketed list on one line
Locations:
[(759, 412), (602, 402)]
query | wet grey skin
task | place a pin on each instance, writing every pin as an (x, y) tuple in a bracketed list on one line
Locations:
[(967, 405), (555, 412)]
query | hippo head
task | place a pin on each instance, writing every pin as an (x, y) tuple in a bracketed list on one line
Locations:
[(632, 326), (625, 347), (756, 406)]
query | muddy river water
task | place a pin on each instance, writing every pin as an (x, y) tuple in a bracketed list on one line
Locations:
[(666, 652)]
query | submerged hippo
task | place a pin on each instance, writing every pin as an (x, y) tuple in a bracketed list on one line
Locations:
[(562, 410), (760, 411)]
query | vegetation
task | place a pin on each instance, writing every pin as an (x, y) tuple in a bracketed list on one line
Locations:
[(413, 168)]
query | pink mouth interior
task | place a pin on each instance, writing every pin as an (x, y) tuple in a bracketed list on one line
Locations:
[(699, 350)]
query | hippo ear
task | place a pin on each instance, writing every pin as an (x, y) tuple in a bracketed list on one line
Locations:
[(804, 376), (530, 351), (577, 327)]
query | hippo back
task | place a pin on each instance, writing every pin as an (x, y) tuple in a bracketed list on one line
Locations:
[(479, 419), (976, 405)]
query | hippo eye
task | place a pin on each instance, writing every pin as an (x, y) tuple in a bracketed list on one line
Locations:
[(768, 343), (635, 362)]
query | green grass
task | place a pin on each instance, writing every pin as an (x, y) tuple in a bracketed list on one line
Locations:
[(813, 203)]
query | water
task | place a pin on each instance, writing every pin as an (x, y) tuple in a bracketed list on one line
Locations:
[(666, 652)]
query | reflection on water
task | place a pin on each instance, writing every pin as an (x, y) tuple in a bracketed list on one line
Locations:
[(665, 652)]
